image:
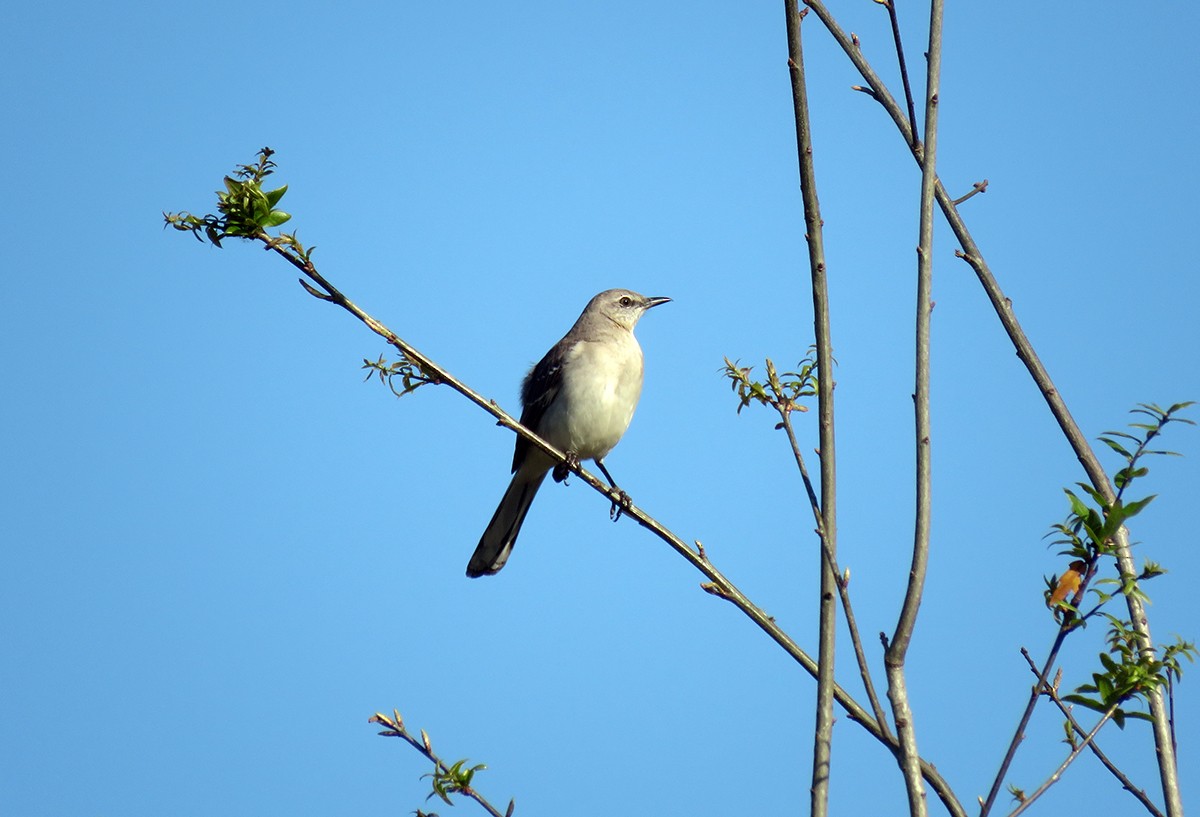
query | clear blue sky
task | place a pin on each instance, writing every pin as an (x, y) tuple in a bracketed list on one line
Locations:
[(222, 551)]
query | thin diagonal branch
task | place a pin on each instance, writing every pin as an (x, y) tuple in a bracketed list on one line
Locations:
[(827, 604), (842, 580), (908, 97), (1058, 773)]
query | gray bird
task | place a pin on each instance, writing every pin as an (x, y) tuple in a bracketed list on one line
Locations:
[(579, 398)]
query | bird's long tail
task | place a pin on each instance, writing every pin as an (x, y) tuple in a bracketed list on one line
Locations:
[(501, 534)]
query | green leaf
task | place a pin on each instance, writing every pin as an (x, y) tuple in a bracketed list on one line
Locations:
[(1116, 446), (1096, 496), (275, 218), (1077, 506), (1123, 435), (275, 195), (1085, 702), (1134, 508)]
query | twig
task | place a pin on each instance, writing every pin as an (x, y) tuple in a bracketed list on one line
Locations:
[(976, 189), (843, 589), (827, 606), (1058, 773), (908, 97), (1051, 691), (394, 728)]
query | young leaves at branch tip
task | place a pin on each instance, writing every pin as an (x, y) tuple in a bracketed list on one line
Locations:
[(1089, 529), (778, 392), (412, 377), (446, 779), (246, 210)]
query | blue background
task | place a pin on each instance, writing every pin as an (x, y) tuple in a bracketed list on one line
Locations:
[(222, 552)]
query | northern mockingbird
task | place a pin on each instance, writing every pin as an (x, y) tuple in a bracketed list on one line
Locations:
[(579, 398)]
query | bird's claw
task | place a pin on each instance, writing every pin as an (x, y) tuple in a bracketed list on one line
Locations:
[(621, 504), (563, 469)]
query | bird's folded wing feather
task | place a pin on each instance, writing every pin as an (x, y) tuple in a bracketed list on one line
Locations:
[(538, 391)]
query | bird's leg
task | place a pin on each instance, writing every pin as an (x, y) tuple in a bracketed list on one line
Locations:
[(622, 503), (563, 469)]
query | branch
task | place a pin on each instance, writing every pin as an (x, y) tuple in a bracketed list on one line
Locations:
[(898, 649), (1058, 773), (1051, 691), (457, 780), (908, 97), (1164, 747), (976, 189), (827, 522), (842, 579)]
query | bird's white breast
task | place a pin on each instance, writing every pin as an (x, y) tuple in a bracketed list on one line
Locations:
[(592, 412)]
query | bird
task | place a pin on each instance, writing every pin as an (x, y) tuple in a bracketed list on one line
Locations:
[(579, 398)]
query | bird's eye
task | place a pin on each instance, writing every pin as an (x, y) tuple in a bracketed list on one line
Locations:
[(626, 300)]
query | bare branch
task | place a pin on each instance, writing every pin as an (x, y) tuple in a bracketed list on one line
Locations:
[(909, 758), (908, 97), (976, 189), (842, 579), (827, 513)]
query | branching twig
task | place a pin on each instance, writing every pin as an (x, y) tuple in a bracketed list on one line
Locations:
[(1058, 773), (1051, 691), (448, 779)]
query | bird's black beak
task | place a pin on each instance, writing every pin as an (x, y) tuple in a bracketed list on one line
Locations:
[(656, 302)]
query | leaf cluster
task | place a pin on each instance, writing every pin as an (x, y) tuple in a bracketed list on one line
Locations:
[(1089, 530), (453, 780), (446, 779), (780, 392), (1129, 672), (409, 372), (245, 209)]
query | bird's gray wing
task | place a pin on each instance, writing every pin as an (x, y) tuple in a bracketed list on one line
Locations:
[(539, 389)]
